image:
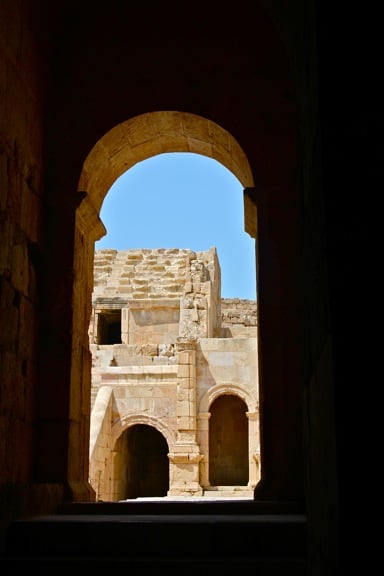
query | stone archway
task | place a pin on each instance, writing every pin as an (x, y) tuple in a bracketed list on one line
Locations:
[(228, 442), (141, 462), (115, 469), (248, 399), (155, 133), (126, 144)]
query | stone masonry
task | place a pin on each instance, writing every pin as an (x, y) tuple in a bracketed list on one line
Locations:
[(175, 363)]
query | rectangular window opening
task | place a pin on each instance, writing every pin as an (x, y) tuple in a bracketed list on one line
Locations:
[(109, 327)]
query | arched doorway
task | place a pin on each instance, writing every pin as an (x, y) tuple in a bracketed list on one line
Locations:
[(122, 147), (228, 442), (145, 468)]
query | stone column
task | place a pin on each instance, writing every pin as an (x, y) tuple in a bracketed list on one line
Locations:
[(254, 448), (185, 454), (203, 439)]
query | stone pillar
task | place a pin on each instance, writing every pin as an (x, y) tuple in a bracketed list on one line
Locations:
[(125, 325), (203, 439), (254, 448), (185, 454), (88, 228), (273, 215)]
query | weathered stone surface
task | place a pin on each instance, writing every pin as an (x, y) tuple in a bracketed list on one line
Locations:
[(179, 349)]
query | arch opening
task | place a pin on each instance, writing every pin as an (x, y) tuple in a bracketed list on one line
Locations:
[(141, 465), (124, 146), (228, 442)]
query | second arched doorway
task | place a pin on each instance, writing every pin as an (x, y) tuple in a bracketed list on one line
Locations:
[(228, 442), (146, 469)]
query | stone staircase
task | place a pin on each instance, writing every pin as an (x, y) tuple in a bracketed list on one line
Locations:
[(144, 273), (164, 537)]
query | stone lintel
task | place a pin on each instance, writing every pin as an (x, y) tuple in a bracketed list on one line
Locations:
[(150, 303), (101, 303)]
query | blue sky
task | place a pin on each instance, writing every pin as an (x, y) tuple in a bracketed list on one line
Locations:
[(183, 200)]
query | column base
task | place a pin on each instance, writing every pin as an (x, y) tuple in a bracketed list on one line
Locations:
[(183, 490), (184, 473)]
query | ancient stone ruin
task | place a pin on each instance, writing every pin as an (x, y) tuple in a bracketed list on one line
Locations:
[(175, 405)]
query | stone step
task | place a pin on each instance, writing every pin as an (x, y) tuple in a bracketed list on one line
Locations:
[(228, 566), (187, 505), (163, 536), (229, 492), (150, 266), (154, 536), (246, 495)]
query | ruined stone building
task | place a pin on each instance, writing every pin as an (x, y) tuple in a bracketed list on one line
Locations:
[(284, 95), (175, 408)]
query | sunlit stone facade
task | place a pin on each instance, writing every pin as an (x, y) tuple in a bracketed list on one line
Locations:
[(174, 378)]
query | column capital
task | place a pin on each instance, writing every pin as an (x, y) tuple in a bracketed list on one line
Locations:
[(185, 344), (252, 415)]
